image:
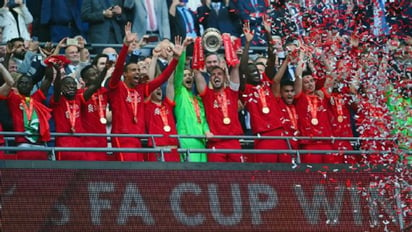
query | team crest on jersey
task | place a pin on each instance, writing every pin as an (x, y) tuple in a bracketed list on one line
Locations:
[(76, 110), (132, 96)]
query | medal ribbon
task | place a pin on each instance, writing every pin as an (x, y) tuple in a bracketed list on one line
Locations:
[(262, 97), (339, 103), (197, 109), (222, 100), (71, 109), (133, 102), (313, 105), (28, 110), (292, 116), (99, 104), (163, 115)]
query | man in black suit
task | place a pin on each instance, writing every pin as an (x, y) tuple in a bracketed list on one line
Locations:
[(220, 14), (106, 20), (182, 20)]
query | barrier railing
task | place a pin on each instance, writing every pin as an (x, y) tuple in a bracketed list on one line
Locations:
[(245, 140), (25, 173)]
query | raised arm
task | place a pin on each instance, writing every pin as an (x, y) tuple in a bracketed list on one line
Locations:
[(57, 86), (95, 85), (118, 69), (178, 76), (298, 73), (200, 81), (278, 77), (235, 74), (177, 52), (48, 78), (8, 79), (271, 61), (331, 75), (153, 63), (59, 46), (244, 60)]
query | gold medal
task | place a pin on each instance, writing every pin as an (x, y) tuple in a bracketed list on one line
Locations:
[(340, 118), (265, 110), (135, 120), (166, 128), (73, 130), (314, 121), (226, 121), (103, 120)]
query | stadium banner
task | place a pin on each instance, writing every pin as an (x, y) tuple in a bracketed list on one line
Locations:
[(194, 200)]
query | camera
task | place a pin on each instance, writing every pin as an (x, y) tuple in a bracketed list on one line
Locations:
[(70, 42), (112, 56)]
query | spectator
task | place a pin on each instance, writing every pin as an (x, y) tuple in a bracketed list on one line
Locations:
[(100, 61), (253, 12), (105, 19), (12, 67), (283, 24), (261, 63), (14, 20), (160, 59), (29, 115), (221, 106), (163, 54), (183, 21), (192, 4), (41, 31), (150, 17), (28, 61), (211, 60), (220, 14), (111, 53), (126, 99), (63, 19), (72, 53), (77, 54)]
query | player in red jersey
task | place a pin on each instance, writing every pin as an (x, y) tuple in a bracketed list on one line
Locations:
[(126, 98), (340, 102), (93, 112), (313, 115), (257, 97), (66, 105), (29, 115), (160, 120), (221, 106), (284, 92)]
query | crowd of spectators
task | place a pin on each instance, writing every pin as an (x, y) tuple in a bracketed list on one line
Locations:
[(337, 68)]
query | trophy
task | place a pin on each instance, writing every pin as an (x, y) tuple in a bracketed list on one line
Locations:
[(212, 40)]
